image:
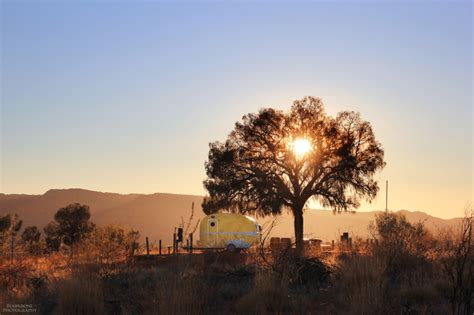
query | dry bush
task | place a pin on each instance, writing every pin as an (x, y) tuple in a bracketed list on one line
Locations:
[(106, 249), (403, 247), (394, 275), (15, 276), (455, 257)]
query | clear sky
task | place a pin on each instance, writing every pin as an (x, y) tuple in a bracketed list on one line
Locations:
[(125, 96)]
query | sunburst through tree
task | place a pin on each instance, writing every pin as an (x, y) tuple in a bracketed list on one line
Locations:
[(274, 160)]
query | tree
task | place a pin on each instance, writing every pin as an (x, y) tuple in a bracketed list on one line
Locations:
[(9, 227), (402, 247), (31, 236), (5, 223), (275, 159), (52, 237), (73, 224), (397, 236)]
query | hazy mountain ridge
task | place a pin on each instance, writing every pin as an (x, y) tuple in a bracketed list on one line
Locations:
[(156, 215)]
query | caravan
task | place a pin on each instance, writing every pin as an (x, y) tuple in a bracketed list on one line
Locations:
[(229, 231)]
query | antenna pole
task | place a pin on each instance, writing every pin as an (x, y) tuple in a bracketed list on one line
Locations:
[(386, 196)]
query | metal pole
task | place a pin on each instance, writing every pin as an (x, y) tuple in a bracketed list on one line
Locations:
[(160, 247)]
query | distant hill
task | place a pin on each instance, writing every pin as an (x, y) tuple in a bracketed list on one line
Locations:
[(155, 215)]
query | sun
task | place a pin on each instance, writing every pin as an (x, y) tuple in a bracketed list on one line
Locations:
[(300, 147)]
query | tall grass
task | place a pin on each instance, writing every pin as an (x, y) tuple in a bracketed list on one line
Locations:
[(419, 275), (80, 295)]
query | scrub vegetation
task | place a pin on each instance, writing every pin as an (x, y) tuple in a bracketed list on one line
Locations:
[(406, 271)]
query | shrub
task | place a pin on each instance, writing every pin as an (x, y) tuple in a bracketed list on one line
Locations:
[(403, 247), (108, 246), (456, 260)]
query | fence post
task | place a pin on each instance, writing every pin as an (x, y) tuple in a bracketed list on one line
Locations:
[(159, 247), (147, 247), (190, 243), (174, 243)]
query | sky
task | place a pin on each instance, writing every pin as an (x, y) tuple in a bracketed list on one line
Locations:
[(126, 96)]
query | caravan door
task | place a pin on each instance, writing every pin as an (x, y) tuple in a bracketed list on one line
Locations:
[(212, 232)]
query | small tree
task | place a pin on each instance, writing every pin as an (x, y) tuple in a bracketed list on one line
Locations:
[(111, 244), (31, 236), (5, 223), (396, 234), (401, 245), (52, 237), (11, 227), (275, 159), (73, 224)]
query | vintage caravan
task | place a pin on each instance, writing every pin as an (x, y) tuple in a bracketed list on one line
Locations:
[(229, 231)]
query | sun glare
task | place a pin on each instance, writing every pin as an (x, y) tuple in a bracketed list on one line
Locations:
[(301, 147)]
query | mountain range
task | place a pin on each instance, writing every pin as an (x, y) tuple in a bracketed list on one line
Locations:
[(156, 215)]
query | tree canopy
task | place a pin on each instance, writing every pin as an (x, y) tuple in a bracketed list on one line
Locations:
[(261, 168), (72, 224), (31, 234)]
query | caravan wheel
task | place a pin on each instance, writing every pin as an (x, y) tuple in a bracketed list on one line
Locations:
[(231, 248)]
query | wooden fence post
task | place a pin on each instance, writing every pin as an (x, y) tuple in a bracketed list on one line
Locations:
[(159, 247), (190, 243), (147, 247), (174, 243)]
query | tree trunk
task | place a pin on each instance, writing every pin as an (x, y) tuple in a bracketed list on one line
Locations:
[(12, 248), (298, 223)]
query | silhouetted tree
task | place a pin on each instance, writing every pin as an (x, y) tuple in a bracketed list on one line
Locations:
[(396, 234), (52, 237), (257, 170), (13, 229), (401, 246), (5, 223), (31, 236), (73, 224)]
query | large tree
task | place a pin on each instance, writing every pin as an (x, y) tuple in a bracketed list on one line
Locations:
[(73, 224), (274, 160)]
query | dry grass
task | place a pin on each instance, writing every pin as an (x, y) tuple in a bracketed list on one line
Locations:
[(80, 295), (218, 283), (377, 279)]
